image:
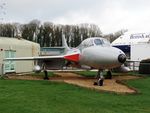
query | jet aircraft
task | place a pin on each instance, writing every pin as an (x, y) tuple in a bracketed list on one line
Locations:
[(94, 52)]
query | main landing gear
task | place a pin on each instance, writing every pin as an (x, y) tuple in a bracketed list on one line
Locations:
[(45, 72), (109, 75), (46, 75)]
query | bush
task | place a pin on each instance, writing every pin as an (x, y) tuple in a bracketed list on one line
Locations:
[(144, 67), (145, 61)]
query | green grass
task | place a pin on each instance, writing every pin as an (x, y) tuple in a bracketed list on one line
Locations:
[(138, 74), (19, 96), (87, 73), (50, 74), (92, 73)]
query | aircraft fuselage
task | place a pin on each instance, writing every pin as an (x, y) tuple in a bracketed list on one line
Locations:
[(101, 57), (97, 53)]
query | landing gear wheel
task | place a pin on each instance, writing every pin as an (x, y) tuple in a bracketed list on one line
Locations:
[(100, 81), (45, 71), (108, 75), (100, 78), (46, 75)]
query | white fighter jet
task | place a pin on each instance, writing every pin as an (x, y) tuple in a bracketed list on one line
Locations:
[(95, 52)]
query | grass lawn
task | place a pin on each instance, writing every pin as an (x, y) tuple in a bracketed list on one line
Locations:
[(87, 73), (42, 74), (92, 73), (20, 96)]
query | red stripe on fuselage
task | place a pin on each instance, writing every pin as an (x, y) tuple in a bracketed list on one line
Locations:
[(74, 58)]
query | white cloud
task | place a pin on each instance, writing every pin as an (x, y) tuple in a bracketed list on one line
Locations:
[(110, 15)]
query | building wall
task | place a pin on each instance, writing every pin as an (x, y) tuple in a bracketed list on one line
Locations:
[(140, 52), (45, 51), (53, 51), (22, 48)]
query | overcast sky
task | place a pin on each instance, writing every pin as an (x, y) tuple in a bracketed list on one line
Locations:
[(109, 15)]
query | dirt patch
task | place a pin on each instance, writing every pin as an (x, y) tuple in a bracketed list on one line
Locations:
[(24, 77), (109, 85), (113, 85)]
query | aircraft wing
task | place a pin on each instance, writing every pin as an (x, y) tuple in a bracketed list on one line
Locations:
[(70, 57), (35, 58)]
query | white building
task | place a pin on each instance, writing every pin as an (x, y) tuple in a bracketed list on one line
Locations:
[(136, 45), (17, 47), (140, 52)]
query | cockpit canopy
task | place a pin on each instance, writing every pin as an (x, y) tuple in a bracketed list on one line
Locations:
[(95, 41)]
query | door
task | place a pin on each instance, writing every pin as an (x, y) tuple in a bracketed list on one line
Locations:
[(9, 65)]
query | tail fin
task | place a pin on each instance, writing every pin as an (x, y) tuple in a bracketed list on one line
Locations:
[(64, 43)]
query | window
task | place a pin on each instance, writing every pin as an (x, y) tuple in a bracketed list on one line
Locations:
[(9, 65), (106, 42), (98, 42)]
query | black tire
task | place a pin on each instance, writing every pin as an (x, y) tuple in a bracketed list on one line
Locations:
[(109, 75), (101, 82), (144, 68), (46, 75)]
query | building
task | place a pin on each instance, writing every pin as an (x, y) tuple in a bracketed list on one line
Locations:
[(50, 51), (140, 52), (130, 42), (136, 47), (17, 47), (53, 64)]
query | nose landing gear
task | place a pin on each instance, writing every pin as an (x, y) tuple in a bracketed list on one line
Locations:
[(100, 78)]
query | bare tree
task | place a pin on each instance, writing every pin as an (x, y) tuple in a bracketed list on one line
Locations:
[(49, 34), (112, 36)]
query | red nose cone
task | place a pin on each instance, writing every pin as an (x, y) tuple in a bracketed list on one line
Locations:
[(74, 58)]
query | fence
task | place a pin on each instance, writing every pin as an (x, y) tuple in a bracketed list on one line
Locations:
[(133, 65)]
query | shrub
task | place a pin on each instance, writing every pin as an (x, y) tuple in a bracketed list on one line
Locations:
[(144, 67)]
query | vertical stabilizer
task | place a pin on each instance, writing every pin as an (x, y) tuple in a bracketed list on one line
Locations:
[(64, 43)]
